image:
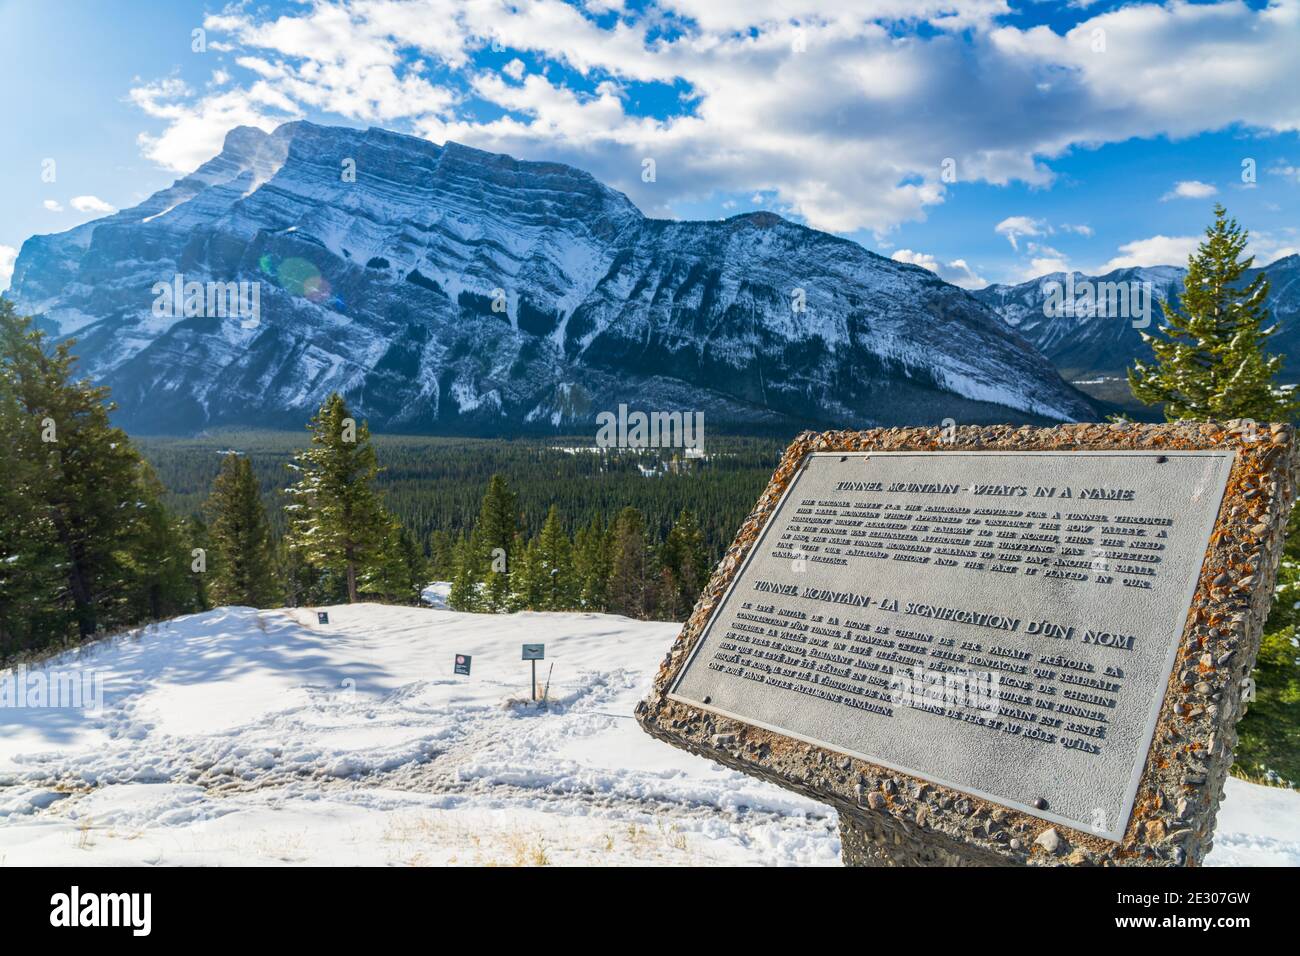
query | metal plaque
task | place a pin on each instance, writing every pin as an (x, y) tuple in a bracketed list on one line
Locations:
[(1003, 623)]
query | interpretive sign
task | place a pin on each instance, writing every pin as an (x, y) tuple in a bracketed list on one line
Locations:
[(322, 617), (534, 652), (462, 664), (976, 621), (1001, 622)]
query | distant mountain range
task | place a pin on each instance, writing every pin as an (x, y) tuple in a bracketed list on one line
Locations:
[(445, 289), (1089, 344)]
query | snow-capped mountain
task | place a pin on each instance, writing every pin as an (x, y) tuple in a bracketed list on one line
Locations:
[(1090, 341), (445, 288)]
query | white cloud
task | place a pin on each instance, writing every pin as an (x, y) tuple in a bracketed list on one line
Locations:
[(1155, 251), (958, 272), (1043, 265), (514, 69), (1014, 227), (1190, 189), (91, 204), (1267, 247), (8, 255), (53, 205), (849, 134), (1043, 259), (196, 129), (1081, 230), (1285, 169)]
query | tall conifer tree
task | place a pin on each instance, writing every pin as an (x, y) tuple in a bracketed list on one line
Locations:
[(1210, 360), (632, 576), (1211, 363), (86, 475), (336, 519), (554, 573), (240, 535)]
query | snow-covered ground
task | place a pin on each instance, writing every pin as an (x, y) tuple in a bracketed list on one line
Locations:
[(244, 736)]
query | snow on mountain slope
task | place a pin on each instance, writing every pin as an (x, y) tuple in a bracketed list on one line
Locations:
[(1088, 343), (243, 736), (446, 288)]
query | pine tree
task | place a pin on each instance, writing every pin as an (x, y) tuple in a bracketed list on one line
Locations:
[(1210, 361), (466, 578), (632, 577), (159, 561), (398, 572), (29, 558), (1211, 364), (242, 563), (527, 585), (592, 561), (87, 473), (684, 567), (556, 580), (195, 534), (336, 519), (303, 584), (494, 534), (441, 557)]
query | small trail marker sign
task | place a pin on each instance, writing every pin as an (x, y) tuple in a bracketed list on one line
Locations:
[(322, 617), (462, 664), (534, 653)]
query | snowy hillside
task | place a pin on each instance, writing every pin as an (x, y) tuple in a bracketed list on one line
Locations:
[(239, 736), (446, 288)]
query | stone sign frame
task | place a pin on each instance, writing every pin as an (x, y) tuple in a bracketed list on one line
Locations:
[(892, 818)]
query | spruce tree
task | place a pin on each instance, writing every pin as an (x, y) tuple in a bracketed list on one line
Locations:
[(684, 567), (557, 583), (158, 557), (632, 576), (242, 562), (86, 476), (1211, 364), (592, 560), (494, 534), (398, 572), (466, 578), (441, 557), (1210, 361), (335, 519), (30, 590), (195, 535), (528, 588)]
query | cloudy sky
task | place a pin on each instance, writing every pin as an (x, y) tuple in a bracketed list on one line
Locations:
[(990, 140)]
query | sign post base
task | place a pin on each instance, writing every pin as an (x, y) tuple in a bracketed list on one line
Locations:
[(873, 840)]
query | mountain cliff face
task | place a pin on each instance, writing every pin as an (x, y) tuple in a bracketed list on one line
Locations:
[(1089, 342), (441, 288)]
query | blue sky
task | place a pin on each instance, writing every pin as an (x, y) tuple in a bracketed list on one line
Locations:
[(991, 141)]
